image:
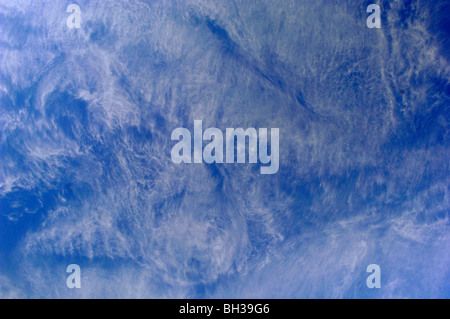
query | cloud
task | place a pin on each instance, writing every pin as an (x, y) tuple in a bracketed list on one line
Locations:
[(85, 122)]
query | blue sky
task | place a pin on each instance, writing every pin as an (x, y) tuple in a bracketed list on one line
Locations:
[(86, 177)]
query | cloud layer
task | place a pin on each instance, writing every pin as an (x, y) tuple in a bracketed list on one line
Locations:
[(86, 175)]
